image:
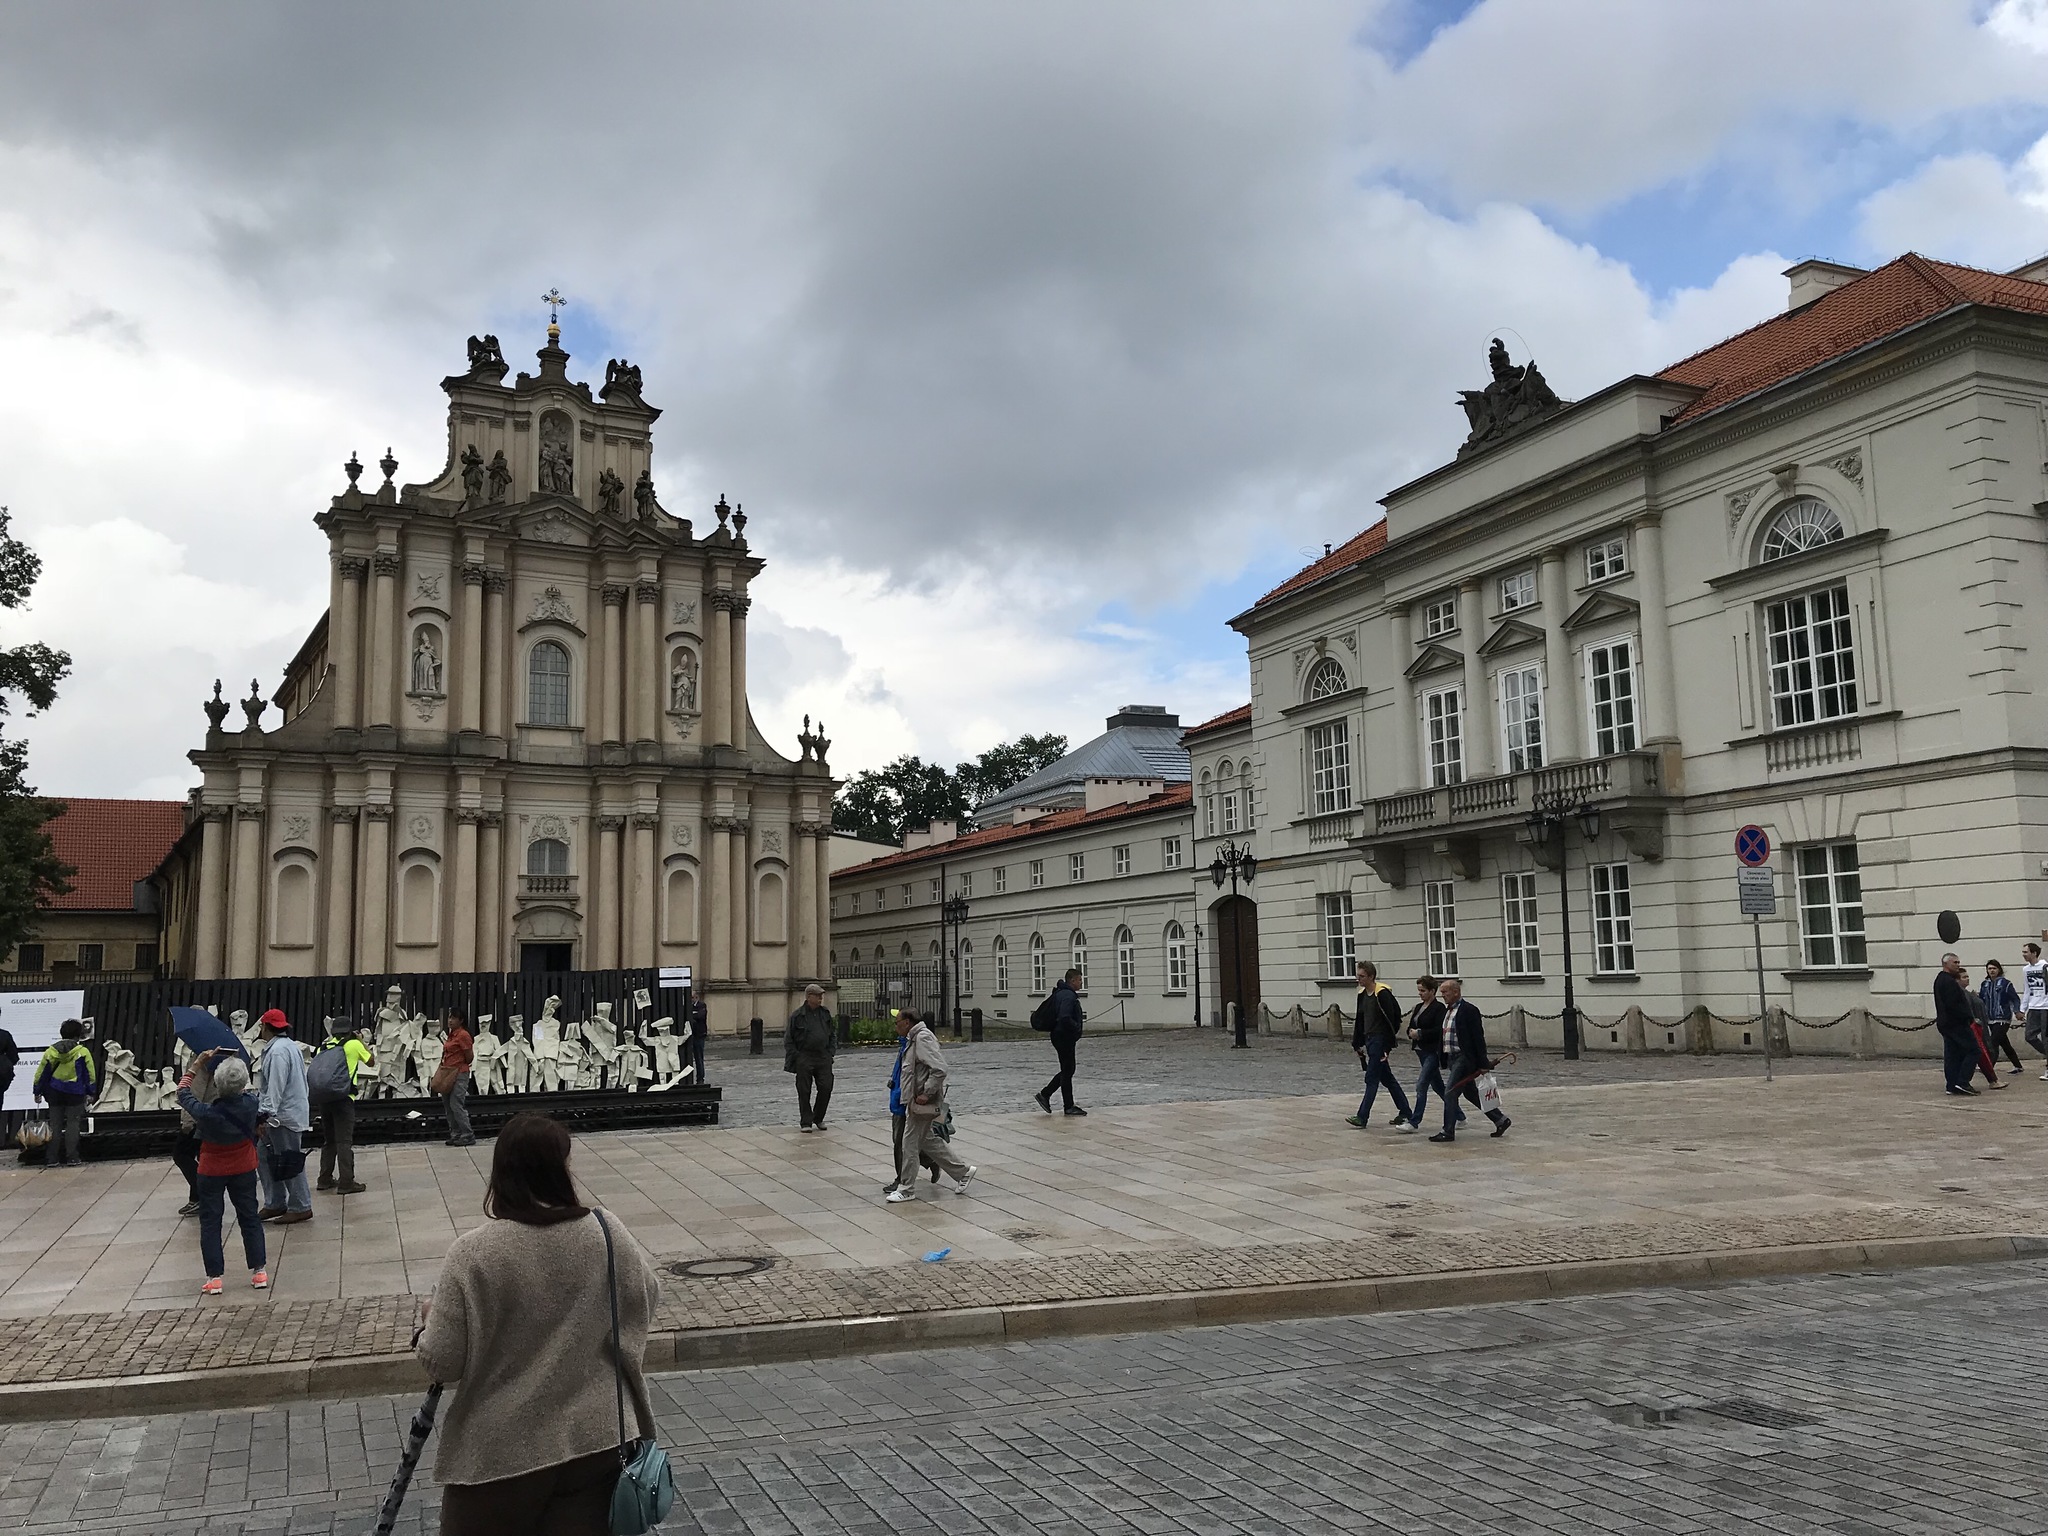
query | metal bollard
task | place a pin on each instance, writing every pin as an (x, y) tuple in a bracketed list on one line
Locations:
[(974, 1026), (1235, 1021), (754, 1039), (956, 1023)]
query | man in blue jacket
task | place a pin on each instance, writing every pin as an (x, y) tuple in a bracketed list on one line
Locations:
[(1067, 1019)]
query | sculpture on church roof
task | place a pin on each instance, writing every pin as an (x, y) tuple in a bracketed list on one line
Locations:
[(485, 356), (501, 475), (622, 376), (216, 708), (472, 476), (557, 458), (1516, 399), (611, 494), (643, 496)]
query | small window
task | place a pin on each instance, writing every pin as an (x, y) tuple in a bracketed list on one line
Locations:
[(92, 957), (1037, 964), (1521, 717), (1831, 905), (1329, 767), (1443, 733), (1440, 617), (1037, 873), (145, 957), (1077, 866), (28, 957), (1169, 853), (1440, 921), (856, 903), (1002, 949), (967, 884), (1606, 558), (1518, 921), (1208, 806), (547, 856), (1614, 943), (906, 895), (1798, 526), (935, 891), (1340, 948), (1611, 694), (1126, 962), (1230, 817), (1518, 591), (1077, 946), (1176, 958), (547, 684), (1813, 657), (966, 967), (1002, 879), (1121, 854), (1325, 679)]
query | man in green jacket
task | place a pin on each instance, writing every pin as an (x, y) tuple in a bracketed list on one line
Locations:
[(807, 1048)]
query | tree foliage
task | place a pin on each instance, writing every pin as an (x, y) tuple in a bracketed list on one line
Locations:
[(30, 871), (882, 803)]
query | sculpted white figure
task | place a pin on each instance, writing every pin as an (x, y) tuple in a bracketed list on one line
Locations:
[(666, 1046), (427, 1054), (488, 1064), (390, 1043), (518, 1059), (547, 1045), (122, 1087)]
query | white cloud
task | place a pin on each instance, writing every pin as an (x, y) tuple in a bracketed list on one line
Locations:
[(1970, 208)]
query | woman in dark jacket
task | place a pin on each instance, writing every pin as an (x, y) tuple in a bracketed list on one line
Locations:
[(2001, 1006), (1426, 1034), (227, 1164)]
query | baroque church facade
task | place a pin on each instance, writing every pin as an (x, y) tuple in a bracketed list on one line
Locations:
[(519, 738)]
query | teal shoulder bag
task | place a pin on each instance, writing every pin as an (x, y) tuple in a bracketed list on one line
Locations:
[(646, 1489)]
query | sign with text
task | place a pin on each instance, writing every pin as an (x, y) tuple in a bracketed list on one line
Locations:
[(673, 976), (33, 1019), (1758, 890), (857, 989)]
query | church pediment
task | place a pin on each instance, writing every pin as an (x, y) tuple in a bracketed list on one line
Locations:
[(1512, 635), (1602, 605), (1434, 658), (554, 520)]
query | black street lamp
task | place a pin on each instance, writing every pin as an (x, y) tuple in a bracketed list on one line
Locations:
[(1547, 818), (954, 913), (1234, 863)]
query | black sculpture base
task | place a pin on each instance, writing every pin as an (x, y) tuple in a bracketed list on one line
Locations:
[(153, 1132)]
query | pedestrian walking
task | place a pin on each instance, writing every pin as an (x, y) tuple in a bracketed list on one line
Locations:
[(700, 1026), (1465, 1042), (1064, 1018), (1426, 1036), (1980, 1034), (898, 1121), (331, 1083), (1374, 1028), (2034, 999), (1957, 1025), (65, 1082), (520, 1325), (924, 1108), (10, 1063), (2001, 1002), (285, 1115), (227, 1164), (452, 1078), (808, 1046)]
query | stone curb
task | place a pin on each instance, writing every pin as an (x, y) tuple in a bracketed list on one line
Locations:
[(251, 1386)]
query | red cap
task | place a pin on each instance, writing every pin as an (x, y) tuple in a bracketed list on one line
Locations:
[(274, 1019)]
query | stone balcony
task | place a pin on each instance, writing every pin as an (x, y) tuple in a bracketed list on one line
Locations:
[(547, 890), (1630, 788)]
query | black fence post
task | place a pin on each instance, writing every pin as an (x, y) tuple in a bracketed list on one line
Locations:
[(754, 1037), (846, 1029), (974, 1026)]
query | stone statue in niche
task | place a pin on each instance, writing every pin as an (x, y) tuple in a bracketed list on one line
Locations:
[(426, 665), (485, 356), (557, 455), (472, 476), (611, 494), (682, 681), (501, 475), (644, 506), (1517, 398)]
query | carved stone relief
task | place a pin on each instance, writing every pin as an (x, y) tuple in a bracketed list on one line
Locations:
[(426, 586), (547, 826), (1849, 466), (683, 611), (549, 603), (298, 829), (1738, 503)]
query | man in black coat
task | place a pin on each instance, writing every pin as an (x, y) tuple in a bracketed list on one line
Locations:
[(807, 1050), (1465, 1042), (1373, 1030), (1067, 1019), (1961, 1045)]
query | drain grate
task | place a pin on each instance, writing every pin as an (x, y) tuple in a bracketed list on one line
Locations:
[(1746, 1410), (724, 1267), (1022, 1234)]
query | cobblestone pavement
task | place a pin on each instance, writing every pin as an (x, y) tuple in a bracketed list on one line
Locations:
[(1846, 1404)]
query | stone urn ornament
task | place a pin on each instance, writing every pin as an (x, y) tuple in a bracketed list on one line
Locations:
[(216, 708)]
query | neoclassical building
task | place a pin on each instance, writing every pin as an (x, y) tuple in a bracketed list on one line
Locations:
[(1797, 580), (520, 736)]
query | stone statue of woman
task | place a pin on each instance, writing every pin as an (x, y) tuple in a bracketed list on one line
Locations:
[(426, 666)]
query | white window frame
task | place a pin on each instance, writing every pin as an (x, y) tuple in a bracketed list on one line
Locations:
[(1002, 878), (1077, 955), (1522, 736), (1176, 960), (1606, 559), (1440, 617), (1328, 751), (1443, 736), (1120, 858), (1169, 853), (967, 967), (1230, 819), (1614, 927), (1325, 680), (1340, 936), (1811, 660), (1037, 873), (1517, 591), (1126, 963), (1606, 728), (1038, 965), (1833, 935), (1002, 954), (1440, 926), (1521, 930), (936, 893), (1077, 867), (967, 883)]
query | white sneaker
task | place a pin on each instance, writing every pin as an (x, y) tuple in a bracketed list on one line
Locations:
[(1407, 1127), (898, 1196), (968, 1176), (2044, 1077)]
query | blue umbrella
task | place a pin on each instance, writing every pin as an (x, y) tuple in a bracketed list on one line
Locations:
[(202, 1032)]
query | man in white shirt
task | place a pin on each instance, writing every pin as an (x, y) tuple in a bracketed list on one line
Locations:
[(2034, 998)]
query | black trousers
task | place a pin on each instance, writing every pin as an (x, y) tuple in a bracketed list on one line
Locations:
[(1064, 1079), (573, 1498), (185, 1153), (1999, 1042), (808, 1079), (337, 1140)]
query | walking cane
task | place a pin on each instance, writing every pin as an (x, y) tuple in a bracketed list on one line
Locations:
[(415, 1444)]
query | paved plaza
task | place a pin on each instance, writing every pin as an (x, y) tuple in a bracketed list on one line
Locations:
[(1846, 1404)]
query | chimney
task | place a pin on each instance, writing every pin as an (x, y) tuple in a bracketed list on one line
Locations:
[(941, 831), (1153, 716), (1100, 794), (2035, 271), (1812, 278)]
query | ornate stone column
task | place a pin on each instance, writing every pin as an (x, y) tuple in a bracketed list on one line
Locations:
[(208, 953), (823, 927), (716, 950), (717, 669), (1660, 708), (614, 659), (803, 917), (462, 952), (1408, 767), (1563, 719), (345, 640), (738, 669), (604, 899), (645, 671), (379, 678), (374, 929), (339, 959), (470, 679), (495, 641), (490, 944), (640, 946), (742, 902), (245, 941), (1480, 724)]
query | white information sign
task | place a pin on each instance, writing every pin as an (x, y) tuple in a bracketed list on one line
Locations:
[(673, 976), (1758, 890), (33, 1019)]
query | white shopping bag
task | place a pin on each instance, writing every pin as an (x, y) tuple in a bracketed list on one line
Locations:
[(1489, 1092)]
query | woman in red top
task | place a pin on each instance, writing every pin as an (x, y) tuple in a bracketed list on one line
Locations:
[(458, 1054), (227, 1163)]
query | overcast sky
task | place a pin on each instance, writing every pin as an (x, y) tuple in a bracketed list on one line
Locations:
[(1037, 339)]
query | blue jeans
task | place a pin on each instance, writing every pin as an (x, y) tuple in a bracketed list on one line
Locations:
[(1432, 1072), (294, 1193), (1378, 1073), (240, 1188)]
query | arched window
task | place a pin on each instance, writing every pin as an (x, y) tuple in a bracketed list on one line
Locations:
[(1799, 525), (906, 950), (1208, 806), (1002, 967), (1126, 961), (769, 924), (1077, 946), (1037, 963), (1228, 799), (1325, 678), (547, 684), (853, 956), (547, 856), (966, 967), (1176, 958), (681, 924), (418, 904)]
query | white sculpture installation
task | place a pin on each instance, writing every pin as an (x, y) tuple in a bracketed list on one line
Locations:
[(487, 1065), (123, 1087)]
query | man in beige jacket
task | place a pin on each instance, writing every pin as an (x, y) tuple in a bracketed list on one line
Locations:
[(923, 1089)]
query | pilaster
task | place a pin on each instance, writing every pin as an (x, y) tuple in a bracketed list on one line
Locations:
[(339, 956)]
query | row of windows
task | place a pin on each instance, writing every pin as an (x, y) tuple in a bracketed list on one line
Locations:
[(1605, 559), (1173, 942), (1172, 855), (1227, 800), (87, 957)]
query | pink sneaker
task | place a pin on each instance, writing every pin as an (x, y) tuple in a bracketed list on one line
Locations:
[(211, 1288), (260, 1279)]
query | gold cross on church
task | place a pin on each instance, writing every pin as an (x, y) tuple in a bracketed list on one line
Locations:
[(554, 301)]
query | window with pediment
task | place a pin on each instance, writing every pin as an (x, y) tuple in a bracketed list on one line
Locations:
[(1798, 526)]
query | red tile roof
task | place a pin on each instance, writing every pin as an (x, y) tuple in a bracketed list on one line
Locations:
[(1171, 798), (1869, 308), (1343, 557), (1238, 716), (113, 844)]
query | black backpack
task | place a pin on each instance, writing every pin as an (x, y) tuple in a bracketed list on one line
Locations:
[(1044, 1014)]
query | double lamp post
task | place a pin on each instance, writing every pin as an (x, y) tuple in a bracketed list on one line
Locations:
[(1548, 816)]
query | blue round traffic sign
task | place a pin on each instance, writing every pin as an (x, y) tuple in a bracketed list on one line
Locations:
[(1753, 846)]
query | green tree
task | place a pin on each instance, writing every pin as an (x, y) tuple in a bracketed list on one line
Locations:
[(883, 803), (30, 871), (1010, 763)]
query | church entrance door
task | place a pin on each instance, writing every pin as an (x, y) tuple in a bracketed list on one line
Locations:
[(547, 957)]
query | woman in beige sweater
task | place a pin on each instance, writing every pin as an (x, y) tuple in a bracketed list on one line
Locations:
[(520, 1323)]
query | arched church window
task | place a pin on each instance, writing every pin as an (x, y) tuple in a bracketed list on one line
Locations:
[(1325, 679), (1800, 525), (547, 684), (547, 856)]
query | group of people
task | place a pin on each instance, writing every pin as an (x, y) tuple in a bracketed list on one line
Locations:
[(1975, 1024), (1448, 1037)]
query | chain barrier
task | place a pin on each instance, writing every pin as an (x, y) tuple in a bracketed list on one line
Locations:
[(1745, 1021)]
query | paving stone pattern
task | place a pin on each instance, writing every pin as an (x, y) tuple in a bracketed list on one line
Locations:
[(1629, 1415)]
